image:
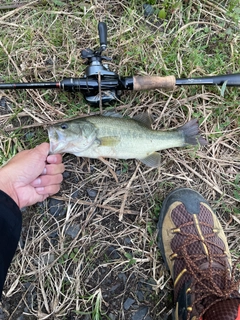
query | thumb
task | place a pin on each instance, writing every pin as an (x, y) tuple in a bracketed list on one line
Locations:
[(42, 150)]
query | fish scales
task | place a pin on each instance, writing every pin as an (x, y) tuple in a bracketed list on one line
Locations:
[(111, 137), (135, 140)]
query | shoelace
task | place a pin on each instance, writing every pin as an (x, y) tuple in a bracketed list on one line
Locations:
[(204, 283)]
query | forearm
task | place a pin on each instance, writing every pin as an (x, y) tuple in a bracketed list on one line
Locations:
[(10, 230)]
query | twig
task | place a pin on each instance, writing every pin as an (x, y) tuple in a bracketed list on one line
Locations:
[(87, 203), (127, 192), (19, 5), (100, 92), (212, 185), (109, 168), (13, 6)]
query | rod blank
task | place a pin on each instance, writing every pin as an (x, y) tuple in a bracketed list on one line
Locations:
[(232, 80)]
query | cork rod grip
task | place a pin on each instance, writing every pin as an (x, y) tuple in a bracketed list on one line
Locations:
[(153, 82)]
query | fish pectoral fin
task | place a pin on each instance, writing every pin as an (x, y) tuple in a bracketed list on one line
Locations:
[(110, 141), (153, 160)]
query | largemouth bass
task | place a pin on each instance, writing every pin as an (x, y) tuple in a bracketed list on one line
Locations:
[(119, 138)]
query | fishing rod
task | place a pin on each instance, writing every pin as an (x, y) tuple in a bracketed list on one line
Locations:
[(101, 85)]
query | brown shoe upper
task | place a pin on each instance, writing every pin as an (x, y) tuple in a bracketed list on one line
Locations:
[(197, 254)]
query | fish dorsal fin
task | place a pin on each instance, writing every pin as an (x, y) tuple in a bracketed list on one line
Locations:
[(144, 118), (110, 141), (153, 160), (112, 114)]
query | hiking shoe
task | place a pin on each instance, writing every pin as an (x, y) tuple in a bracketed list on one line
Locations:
[(195, 249)]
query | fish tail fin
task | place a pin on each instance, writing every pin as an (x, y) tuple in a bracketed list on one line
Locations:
[(191, 133)]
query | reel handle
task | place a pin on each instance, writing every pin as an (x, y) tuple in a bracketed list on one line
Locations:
[(102, 31)]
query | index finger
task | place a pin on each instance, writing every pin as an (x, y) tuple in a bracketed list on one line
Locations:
[(52, 169), (54, 158)]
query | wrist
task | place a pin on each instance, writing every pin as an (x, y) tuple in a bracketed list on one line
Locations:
[(6, 186)]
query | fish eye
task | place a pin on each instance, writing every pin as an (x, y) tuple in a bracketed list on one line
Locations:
[(64, 126)]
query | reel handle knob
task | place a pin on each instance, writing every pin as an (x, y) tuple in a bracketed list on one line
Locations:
[(102, 31)]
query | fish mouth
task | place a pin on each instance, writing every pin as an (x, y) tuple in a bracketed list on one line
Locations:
[(53, 140)]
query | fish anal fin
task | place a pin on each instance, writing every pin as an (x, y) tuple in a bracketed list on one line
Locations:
[(153, 160), (144, 118), (110, 141)]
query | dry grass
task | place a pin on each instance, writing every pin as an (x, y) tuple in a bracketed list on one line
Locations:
[(58, 277)]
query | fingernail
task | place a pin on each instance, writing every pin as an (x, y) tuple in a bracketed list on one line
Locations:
[(39, 189), (37, 181), (44, 171), (53, 158)]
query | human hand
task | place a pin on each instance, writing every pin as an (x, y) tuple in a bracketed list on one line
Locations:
[(32, 175)]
